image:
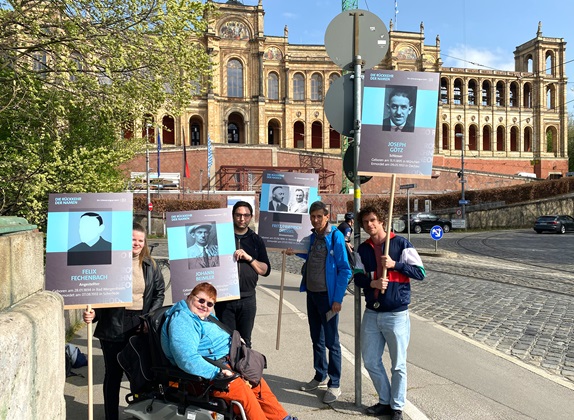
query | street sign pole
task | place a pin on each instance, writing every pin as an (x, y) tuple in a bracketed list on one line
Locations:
[(357, 202), (408, 188)]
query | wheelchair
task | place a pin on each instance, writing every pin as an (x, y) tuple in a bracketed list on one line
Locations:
[(160, 390)]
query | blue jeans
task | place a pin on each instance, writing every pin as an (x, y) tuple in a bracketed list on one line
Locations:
[(324, 335), (394, 330)]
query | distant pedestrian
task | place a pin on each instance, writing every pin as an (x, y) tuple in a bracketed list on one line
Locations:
[(325, 275), (252, 262), (386, 317)]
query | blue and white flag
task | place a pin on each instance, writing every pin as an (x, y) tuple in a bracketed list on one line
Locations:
[(209, 152)]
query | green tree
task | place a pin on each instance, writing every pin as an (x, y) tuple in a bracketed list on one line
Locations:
[(72, 73)]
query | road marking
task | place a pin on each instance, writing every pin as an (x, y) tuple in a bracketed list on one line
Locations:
[(410, 410)]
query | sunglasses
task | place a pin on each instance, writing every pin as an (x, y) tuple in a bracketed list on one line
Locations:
[(206, 302)]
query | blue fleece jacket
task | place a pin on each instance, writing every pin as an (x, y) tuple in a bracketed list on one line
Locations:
[(337, 269), (186, 338)]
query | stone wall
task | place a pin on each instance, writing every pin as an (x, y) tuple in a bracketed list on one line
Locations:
[(32, 333)]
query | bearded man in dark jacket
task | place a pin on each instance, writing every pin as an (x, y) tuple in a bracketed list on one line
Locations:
[(252, 262)]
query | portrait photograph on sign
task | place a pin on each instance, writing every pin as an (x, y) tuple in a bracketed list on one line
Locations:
[(201, 244), (89, 247), (398, 123), (292, 193)]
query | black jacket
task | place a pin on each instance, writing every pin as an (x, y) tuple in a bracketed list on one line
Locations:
[(110, 320), (254, 246)]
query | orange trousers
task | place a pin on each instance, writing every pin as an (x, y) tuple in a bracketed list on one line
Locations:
[(258, 402)]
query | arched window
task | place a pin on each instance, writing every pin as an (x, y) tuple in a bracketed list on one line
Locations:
[(472, 92), (273, 86), (551, 97), (514, 139), (234, 79), (486, 100), (527, 95), (232, 133), (316, 87), (500, 138), (500, 94), (458, 141), (472, 138), (317, 135), (332, 78), (528, 139), (299, 135), (513, 95), (549, 63), (457, 99), (298, 87), (444, 90), (486, 138)]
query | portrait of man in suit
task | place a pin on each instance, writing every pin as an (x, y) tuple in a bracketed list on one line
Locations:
[(277, 197), (400, 109), (93, 249), (202, 250)]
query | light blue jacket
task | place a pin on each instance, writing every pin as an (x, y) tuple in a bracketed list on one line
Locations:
[(337, 269), (186, 338)]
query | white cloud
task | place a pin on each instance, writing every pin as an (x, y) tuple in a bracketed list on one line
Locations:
[(465, 56)]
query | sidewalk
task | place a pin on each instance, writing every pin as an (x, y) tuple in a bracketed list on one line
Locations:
[(450, 377)]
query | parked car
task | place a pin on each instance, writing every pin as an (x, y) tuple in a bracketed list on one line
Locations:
[(554, 223), (425, 221)]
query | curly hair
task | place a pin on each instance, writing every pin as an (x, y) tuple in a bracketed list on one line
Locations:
[(372, 209)]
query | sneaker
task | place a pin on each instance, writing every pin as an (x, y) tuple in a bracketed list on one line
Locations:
[(379, 410), (397, 415), (331, 395), (290, 418), (314, 384)]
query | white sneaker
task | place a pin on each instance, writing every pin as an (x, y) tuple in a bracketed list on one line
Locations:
[(331, 395)]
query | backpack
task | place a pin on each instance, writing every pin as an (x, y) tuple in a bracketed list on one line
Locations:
[(74, 359)]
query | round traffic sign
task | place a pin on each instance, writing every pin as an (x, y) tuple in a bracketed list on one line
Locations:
[(436, 232), (340, 39), (150, 206), (339, 105)]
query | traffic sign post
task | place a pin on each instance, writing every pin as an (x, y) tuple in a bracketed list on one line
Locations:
[(354, 40), (436, 233), (408, 188)]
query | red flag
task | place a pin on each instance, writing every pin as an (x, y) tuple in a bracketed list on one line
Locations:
[(186, 173)]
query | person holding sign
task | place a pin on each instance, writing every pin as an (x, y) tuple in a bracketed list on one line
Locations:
[(252, 262), (189, 337), (325, 275), (386, 316), (117, 325)]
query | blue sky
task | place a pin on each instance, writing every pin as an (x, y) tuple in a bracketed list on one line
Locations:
[(485, 32)]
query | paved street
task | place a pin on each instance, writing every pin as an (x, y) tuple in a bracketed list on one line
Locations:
[(510, 290)]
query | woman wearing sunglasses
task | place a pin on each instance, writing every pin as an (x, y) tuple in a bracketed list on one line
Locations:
[(188, 335)]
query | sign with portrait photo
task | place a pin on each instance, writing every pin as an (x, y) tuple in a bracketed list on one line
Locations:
[(89, 249), (201, 244), (284, 208), (398, 123)]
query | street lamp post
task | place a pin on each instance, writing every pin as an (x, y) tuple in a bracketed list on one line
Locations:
[(147, 179), (461, 174)]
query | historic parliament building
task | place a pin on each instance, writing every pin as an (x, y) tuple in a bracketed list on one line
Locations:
[(266, 99)]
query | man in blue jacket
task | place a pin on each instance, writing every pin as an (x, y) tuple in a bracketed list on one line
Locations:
[(386, 317), (325, 276)]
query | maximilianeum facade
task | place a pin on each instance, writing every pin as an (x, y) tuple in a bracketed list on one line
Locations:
[(266, 90)]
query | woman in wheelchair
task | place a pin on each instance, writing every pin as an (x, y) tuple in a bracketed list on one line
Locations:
[(188, 336)]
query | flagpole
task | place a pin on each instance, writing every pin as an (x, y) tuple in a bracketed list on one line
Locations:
[(158, 160), (396, 13), (184, 163)]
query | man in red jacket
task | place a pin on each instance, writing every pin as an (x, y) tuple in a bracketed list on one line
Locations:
[(386, 317)]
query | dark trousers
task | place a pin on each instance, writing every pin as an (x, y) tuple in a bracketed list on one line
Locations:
[(324, 335), (113, 372), (112, 377), (238, 315)]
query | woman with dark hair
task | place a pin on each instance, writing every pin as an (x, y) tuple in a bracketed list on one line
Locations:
[(188, 336), (117, 325)]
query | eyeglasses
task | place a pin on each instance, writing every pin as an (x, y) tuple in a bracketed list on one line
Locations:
[(202, 301), (242, 215)]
